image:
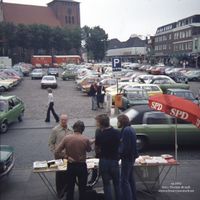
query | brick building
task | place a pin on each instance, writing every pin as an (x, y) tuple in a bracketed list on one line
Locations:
[(62, 13), (179, 42)]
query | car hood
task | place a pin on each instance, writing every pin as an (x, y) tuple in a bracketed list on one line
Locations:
[(4, 155)]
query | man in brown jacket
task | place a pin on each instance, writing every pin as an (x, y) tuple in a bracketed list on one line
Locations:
[(57, 135)]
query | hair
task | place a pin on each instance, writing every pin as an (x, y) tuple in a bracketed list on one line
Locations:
[(78, 126), (49, 90), (103, 120), (123, 120)]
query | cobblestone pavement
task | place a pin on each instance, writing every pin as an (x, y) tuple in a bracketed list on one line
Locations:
[(67, 100)]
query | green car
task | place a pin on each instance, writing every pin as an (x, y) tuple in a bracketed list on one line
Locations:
[(133, 96), (11, 109), (6, 159), (157, 128), (68, 75)]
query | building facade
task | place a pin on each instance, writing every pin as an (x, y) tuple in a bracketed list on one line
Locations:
[(62, 13), (175, 42), (132, 50)]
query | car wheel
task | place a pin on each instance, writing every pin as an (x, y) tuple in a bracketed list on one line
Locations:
[(4, 127), (141, 143), (20, 118), (32, 78)]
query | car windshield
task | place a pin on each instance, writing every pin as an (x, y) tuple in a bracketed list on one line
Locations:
[(135, 95), (131, 114), (49, 78), (37, 70), (3, 106), (187, 95)]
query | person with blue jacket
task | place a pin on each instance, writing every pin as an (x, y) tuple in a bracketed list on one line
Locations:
[(128, 154)]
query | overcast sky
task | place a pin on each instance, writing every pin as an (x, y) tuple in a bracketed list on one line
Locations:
[(122, 18)]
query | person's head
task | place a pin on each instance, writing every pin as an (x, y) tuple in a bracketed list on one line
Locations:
[(63, 120), (102, 121), (49, 90), (78, 127), (122, 121)]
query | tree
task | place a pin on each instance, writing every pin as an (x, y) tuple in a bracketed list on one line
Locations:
[(95, 42)]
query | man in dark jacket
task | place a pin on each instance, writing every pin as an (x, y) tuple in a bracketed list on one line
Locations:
[(93, 94), (128, 152)]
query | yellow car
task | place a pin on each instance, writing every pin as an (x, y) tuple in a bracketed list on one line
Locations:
[(151, 89)]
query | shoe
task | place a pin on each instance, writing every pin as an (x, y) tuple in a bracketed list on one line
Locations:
[(47, 121)]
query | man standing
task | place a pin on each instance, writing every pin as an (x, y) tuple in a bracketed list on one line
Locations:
[(107, 145), (100, 95), (75, 145), (128, 154), (93, 94), (57, 135), (51, 107)]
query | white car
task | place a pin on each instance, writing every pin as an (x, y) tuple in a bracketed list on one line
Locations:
[(49, 81), (37, 73)]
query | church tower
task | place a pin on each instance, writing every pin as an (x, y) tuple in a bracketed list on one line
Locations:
[(67, 12)]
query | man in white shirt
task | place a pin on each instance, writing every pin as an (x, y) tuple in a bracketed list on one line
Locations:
[(50, 107)]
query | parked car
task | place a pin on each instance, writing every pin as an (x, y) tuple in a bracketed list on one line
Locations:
[(186, 94), (193, 75), (165, 82), (53, 71), (37, 74), (11, 109), (7, 160), (151, 89), (178, 77), (156, 128), (68, 75), (6, 84), (48, 81), (133, 96)]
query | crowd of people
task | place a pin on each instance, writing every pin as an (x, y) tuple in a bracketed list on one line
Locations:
[(110, 145)]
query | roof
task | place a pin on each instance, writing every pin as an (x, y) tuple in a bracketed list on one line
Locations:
[(6, 97), (29, 14)]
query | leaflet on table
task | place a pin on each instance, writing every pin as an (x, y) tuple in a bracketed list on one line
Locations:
[(164, 159), (49, 164)]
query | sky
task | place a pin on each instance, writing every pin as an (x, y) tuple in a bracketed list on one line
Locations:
[(122, 18)]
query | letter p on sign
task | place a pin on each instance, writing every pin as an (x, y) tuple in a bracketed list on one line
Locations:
[(116, 64)]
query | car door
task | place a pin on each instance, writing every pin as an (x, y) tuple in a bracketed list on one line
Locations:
[(188, 134), (158, 128), (17, 108), (11, 111)]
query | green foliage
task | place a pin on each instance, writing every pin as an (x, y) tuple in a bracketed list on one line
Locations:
[(95, 42), (40, 37)]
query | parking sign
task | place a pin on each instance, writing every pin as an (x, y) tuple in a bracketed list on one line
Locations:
[(116, 64)]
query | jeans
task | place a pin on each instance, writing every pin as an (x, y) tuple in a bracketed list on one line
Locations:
[(61, 183), (127, 181), (109, 170), (51, 109), (76, 170), (94, 102)]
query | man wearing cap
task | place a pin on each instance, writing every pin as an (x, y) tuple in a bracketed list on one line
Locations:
[(57, 135), (76, 146)]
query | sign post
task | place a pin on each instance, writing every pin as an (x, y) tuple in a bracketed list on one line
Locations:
[(116, 66)]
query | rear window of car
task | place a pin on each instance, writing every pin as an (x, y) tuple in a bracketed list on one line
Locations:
[(156, 118), (49, 78), (3, 106)]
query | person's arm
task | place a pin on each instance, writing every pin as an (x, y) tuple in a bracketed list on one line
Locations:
[(52, 141), (59, 150), (88, 149)]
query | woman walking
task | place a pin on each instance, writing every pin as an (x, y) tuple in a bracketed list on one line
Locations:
[(50, 107)]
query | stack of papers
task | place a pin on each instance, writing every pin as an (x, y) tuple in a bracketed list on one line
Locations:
[(40, 165)]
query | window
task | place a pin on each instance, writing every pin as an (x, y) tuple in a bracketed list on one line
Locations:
[(190, 45), (156, 118), (170, 36), (196, 44), (72, 19), (66, 19), (189, 33)]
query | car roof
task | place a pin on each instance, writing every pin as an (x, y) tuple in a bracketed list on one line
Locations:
[(6, 97), (178, 90)]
